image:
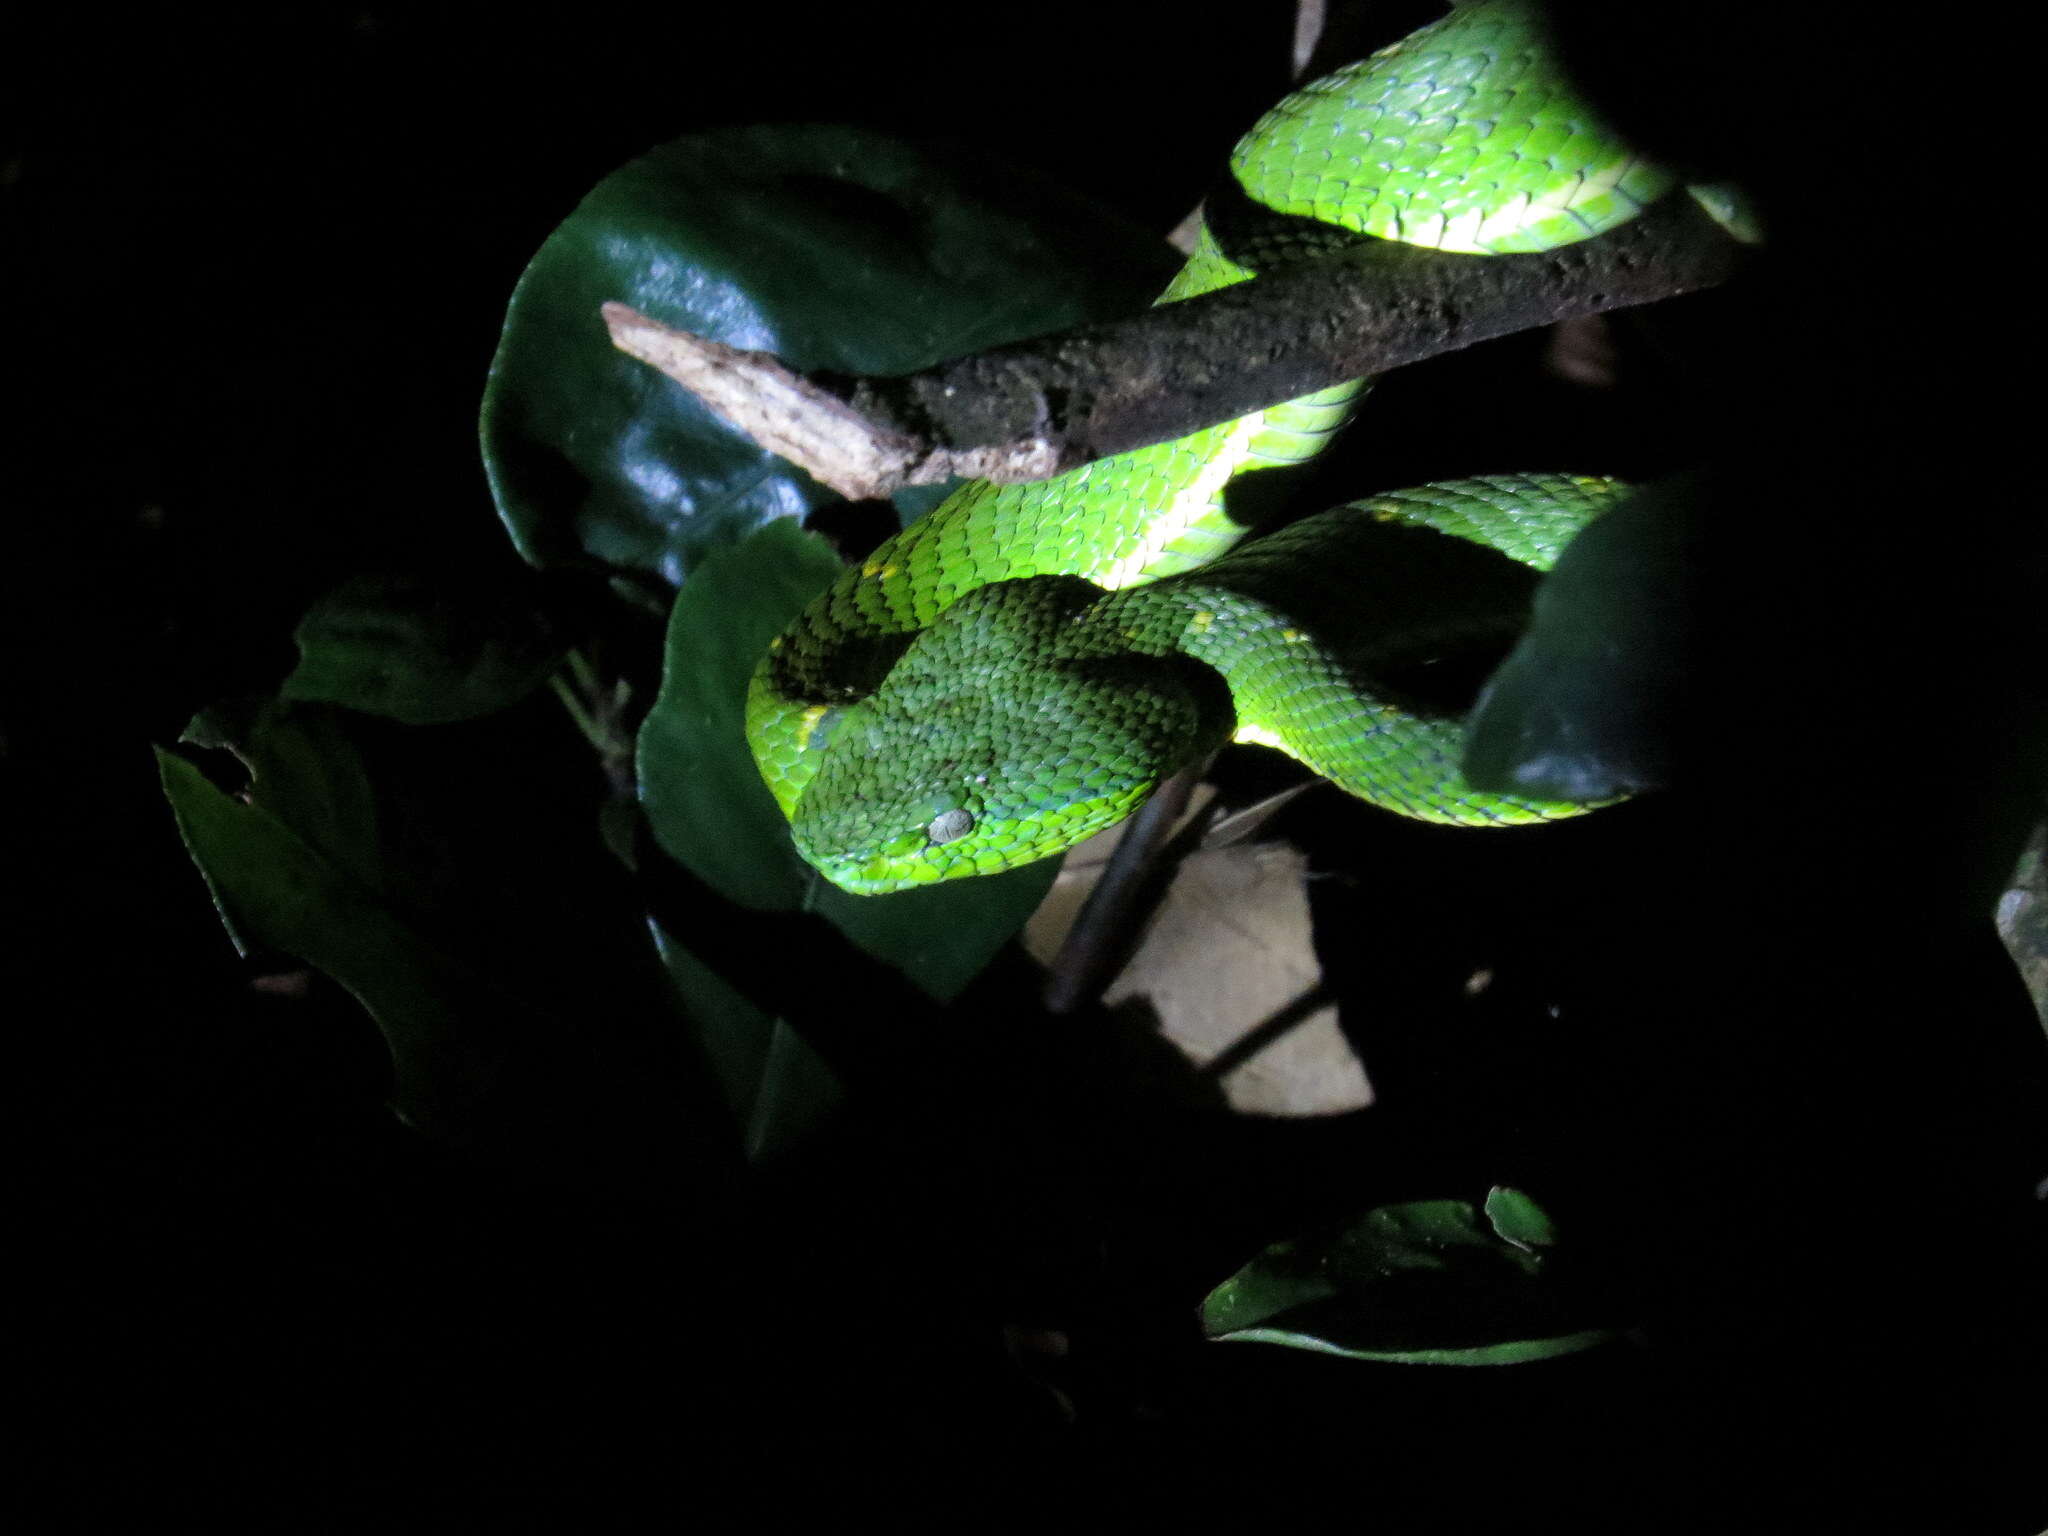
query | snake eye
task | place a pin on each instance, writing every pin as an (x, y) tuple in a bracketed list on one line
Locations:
[(948, 825)]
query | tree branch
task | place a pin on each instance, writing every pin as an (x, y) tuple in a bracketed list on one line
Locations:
[(1036, 408)]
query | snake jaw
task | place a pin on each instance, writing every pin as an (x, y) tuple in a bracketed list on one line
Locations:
[(964, 814), (955, 845)]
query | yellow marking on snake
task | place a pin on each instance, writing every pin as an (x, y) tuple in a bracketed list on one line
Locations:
[(807, 722)]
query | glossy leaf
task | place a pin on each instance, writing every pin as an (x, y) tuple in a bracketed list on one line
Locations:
[(708, 808), (835, 248), (1585, 705), (424, 650), (1422, 1283)]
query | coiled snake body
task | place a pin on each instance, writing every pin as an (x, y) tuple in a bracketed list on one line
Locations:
[(1021, 667)]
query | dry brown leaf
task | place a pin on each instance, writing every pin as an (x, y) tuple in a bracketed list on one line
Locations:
[(1228, 951)]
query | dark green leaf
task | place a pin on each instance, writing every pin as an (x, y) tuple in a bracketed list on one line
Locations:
[(709, 809), (1421, 1283), (778, 1088), (275, 891), (482, 997), (704, 797), (305, 770), (1513, 1352), (835, 248), (1518, 1218), (2022, 917), (1584, 707), (424, 650)]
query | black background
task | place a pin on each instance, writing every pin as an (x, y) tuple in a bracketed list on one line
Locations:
[(262, 268)]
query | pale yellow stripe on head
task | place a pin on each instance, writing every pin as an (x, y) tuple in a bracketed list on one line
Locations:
[(1253, 735), (807, 722)]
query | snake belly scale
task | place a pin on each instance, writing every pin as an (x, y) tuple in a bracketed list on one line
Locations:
[(1022, 666)]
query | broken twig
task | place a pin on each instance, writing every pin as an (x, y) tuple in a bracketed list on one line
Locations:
[(1036, 408)]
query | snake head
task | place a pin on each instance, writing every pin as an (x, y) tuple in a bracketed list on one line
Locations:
[(1011, 729)]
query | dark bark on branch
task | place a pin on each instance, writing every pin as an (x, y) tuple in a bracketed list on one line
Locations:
[(1036, 408)]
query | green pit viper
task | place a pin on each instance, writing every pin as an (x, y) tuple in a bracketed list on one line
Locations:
[(1022, 666)]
